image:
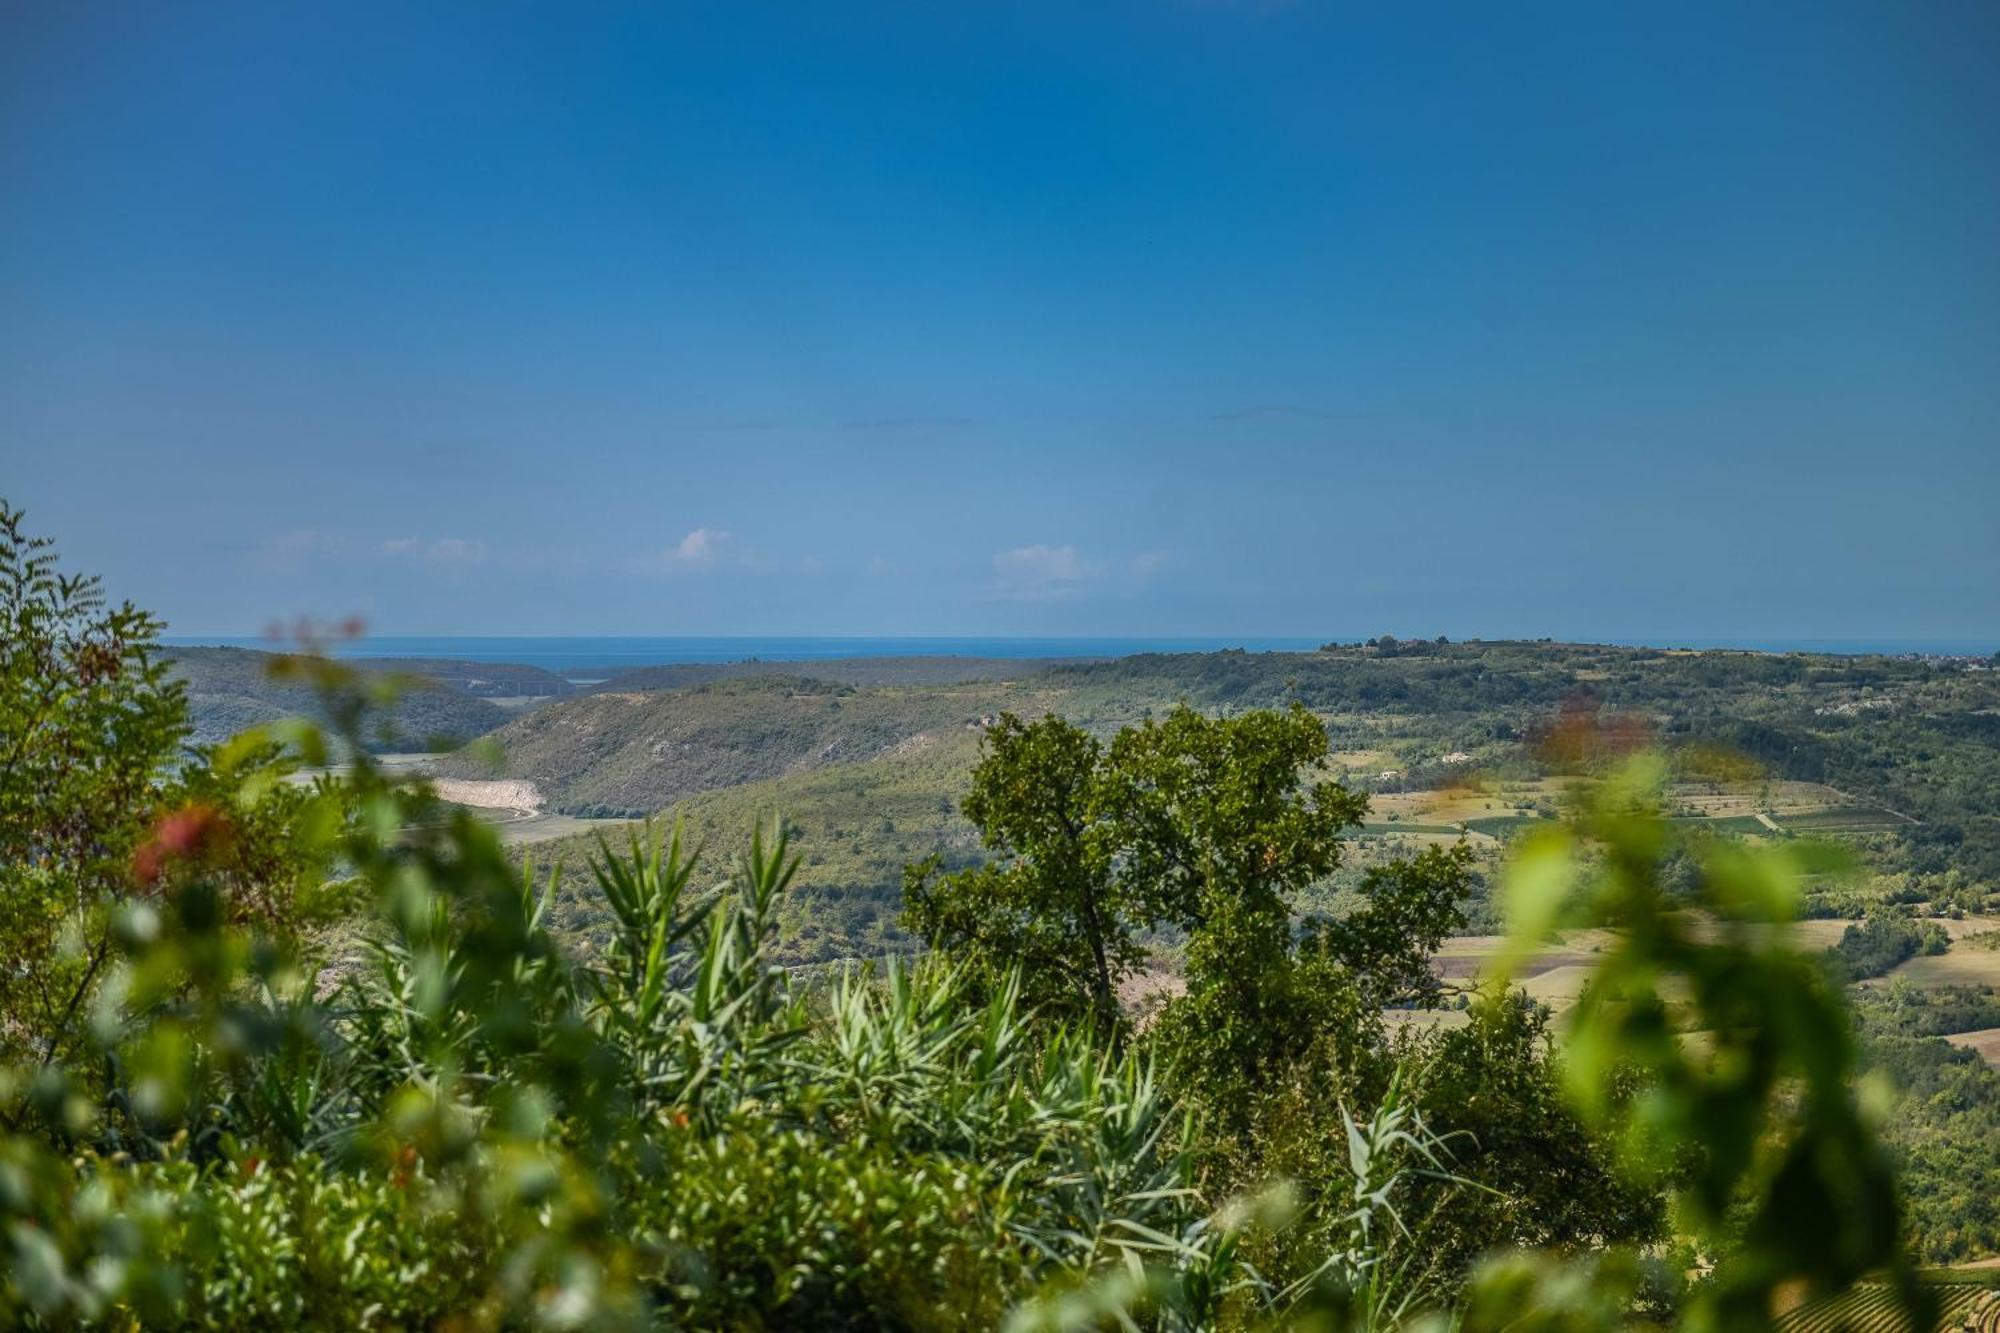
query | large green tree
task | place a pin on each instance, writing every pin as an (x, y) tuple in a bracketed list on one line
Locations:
[(1201, 827), (1225, 816), (1220, 821), (1494, 1087), (1049, 906), (1206, 826)]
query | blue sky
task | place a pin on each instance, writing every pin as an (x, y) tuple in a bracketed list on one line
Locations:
[(1148, 318)]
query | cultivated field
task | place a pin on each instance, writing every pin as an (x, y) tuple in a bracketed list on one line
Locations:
[(1870, 1307), (1493, 812)]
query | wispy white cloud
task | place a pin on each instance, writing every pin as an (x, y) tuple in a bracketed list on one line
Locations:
[(700, 549), (456, 551), (436, 550), (1040, 573), (909, 423), (714, 550), (289, 552)]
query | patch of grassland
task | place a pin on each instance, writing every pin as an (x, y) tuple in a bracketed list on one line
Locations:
[(1735, 826), (1558, 987), (1984, 1043), (1956, 967)]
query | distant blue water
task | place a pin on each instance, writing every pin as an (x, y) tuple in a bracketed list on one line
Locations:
[(590, 653)]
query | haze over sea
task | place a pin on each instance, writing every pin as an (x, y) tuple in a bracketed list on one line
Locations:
[(620, 652)]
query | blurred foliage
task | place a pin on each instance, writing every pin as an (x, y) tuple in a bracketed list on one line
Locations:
[(1745, 1105), (435, 704), (99, 798)]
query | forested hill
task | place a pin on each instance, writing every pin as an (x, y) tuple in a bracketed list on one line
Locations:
[(632, 752), (918, 670), (487, 680), (231, 688), (1919, 736)]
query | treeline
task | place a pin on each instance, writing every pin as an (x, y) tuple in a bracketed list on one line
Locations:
[(1943, 1121), (1943, 1127), (1902, 1010), (1882, 942)]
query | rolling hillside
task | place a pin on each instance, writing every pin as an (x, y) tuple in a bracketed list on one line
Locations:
[(635, 752), (855, 827), (229, 689), (487, 680), (1446, 737), (842, 670)]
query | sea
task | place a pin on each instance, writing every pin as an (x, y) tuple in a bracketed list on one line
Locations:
[(569, 655)]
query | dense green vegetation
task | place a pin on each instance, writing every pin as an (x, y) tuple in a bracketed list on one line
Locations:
[(1918, 737), (279, 1055), (1943, 1127), (1877, 944), (1902, 1010), (1944, 1120)]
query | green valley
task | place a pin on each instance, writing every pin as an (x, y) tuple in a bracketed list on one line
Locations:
[(1451, 741)]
